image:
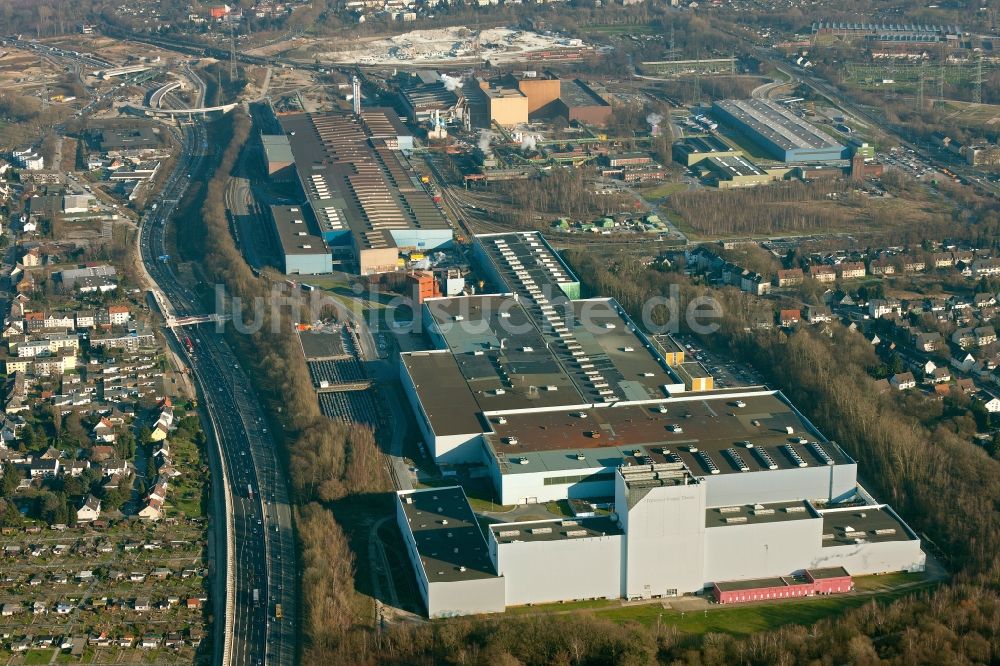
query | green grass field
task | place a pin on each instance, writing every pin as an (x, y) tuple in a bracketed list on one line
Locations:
[(663, 190), (743, 619)]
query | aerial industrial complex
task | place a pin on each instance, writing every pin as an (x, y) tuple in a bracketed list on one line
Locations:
[(783, 134), (677, 489), (362, 204)]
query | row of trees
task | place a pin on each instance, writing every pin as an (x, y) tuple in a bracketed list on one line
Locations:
[(327, 460)]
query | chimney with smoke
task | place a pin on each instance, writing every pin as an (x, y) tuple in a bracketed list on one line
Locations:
[(529, 142), (485, 138), (654, 120)]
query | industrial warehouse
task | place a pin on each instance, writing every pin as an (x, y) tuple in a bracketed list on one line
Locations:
[(676, 488), (362, 202), (784, 135)]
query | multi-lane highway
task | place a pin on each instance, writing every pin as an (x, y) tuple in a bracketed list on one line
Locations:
[(255, 551)]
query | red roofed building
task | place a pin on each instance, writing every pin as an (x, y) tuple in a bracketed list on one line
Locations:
[(835, 580)]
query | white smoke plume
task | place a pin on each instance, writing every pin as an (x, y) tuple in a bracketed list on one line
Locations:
[(450, 82), (654, 119), (529, 142), (485, 138)]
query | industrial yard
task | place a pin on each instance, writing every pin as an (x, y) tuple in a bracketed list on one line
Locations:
[(498, 45)]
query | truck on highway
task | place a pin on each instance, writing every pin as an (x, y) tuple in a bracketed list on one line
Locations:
[(277, 611), (249, 491), (256, 597), (188, 345)]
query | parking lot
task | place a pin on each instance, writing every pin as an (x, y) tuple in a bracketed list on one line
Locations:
[(727, 373)]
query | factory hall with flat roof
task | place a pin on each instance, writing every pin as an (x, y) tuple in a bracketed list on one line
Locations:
[(780, 132), (361, 200), (676, 488)]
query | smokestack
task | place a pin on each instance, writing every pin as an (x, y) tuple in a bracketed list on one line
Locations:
[(356, 90)]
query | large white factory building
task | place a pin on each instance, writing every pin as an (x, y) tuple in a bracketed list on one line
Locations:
[(554, 397)]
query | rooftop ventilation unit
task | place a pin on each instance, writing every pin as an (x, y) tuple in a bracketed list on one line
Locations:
[(766, 459), (511, 440), (523, 461), (821, 453), (709, 463), (737, 460), (540, 530), (501, 420), (794, 455)]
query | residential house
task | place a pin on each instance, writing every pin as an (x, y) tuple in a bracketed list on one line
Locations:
[(755, 283), (152, 511), (823, 273), (911, 265), (882, 267), (816, 314), (989, 401), (902, 381), (964, 338), (75, 468), (883, 307), (983, 300), (85, 319), (985, 335), (789, 317), (43, 468), (943, 260), (113, 466), (851, 270), (32, 258), (89, 511), (985, 267), (118, 315), (790, 277), (940, 376), (104, 431), (964, 363), (927, 341)]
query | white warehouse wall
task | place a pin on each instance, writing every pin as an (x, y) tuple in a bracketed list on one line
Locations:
[(737, 552), (561, 570), (466, 597), (530, 488), (872, 558), (781, 485)]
